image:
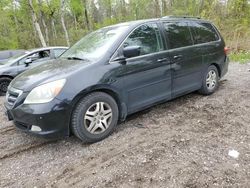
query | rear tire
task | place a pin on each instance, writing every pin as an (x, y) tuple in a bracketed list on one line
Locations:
[(4, 83), (210, 81), (94, 117)]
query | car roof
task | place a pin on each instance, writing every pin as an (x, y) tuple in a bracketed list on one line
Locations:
[(47, 48), (135, 22), (183, 18), (165, 18)]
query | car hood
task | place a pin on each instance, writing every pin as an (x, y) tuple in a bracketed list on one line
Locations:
[(4, 69), (4, 64), (50, 71)]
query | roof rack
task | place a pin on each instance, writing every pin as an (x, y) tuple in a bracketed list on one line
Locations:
[(171, 16)]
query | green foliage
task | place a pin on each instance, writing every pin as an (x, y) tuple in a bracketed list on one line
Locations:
[(17, 28), (242, 57)]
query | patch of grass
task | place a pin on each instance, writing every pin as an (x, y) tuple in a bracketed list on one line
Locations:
[(241, 57)]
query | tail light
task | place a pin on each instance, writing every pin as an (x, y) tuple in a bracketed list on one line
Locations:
[(226, 50)]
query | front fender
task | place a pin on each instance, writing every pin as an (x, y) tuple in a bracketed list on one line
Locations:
[(112, 91)]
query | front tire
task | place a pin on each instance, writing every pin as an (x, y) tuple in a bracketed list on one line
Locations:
[(4, 83), (94, 117), (210, 81)]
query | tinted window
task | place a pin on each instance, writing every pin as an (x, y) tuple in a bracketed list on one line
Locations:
[(203, 32), (178, 35), (147, 37)]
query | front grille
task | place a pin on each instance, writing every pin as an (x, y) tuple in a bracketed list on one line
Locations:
[(12, 96)]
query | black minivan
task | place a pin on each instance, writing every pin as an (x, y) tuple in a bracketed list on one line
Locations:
[(116, 71)]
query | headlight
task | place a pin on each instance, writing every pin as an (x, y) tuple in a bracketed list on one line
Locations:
[(45, 93)]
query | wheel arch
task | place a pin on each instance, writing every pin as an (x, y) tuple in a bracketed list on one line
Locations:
[(6, 76), (122, 108), (2, 79), (218, 68)]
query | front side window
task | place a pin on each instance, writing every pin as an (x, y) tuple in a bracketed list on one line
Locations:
[(203, 32), (147, 37), (35, 56), (178, 34)]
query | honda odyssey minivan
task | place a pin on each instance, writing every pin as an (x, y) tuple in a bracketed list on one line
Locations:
[(116, 71)]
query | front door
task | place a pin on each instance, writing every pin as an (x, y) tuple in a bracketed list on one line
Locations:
[(35, 59), (147, 77)]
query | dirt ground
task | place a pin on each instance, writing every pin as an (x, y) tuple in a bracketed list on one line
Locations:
[(181, 143)]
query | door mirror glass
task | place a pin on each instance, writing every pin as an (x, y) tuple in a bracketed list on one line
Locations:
[(28, 61), (131, 51)]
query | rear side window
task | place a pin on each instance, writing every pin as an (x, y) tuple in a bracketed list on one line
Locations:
[(146, 36), (178, 34), (203, 32)]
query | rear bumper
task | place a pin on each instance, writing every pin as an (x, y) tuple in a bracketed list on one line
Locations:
[(50, 120), (224, 69)]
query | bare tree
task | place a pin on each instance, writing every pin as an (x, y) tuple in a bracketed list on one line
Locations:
[(86, 17), (199, 9), (63, 22), (36, 24), (109, 7), (42, 16), (51, 14), (157, 8)]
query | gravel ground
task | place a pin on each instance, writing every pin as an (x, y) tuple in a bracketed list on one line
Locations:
[(181, 143)]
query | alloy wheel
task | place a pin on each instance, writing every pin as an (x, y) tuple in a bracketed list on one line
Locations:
[(98, 118), (211, 80)]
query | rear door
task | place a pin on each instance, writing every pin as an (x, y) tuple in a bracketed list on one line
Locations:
[(147, 77), (186, 59), (208, 42)]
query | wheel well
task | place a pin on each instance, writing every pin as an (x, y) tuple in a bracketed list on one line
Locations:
[(218, 68), (107, 91), (112, 94), (6, 76)]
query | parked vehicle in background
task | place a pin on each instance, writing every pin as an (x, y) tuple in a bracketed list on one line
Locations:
[(24, 61), (6, 54), (116, 71)]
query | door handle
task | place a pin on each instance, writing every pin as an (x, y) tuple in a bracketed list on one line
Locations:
[(177, 57), (161, 60)]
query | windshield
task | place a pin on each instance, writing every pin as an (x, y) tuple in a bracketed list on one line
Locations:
[(94, 45), (13, 58)]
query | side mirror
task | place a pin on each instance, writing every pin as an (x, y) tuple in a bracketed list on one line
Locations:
[(28, 61), (131, 51)]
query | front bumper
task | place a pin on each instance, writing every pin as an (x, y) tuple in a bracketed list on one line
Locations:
[(50, 120)]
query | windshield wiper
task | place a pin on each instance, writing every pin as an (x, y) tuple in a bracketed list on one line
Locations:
[(77, 58)]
